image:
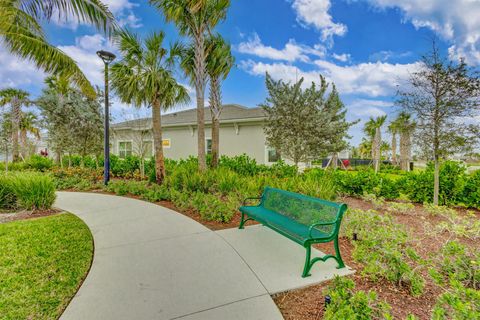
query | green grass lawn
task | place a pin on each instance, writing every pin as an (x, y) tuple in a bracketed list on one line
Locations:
[(42, 262)]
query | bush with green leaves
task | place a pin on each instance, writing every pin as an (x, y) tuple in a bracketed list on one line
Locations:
[(8, 199), (456, 262), (382, 246), (346, 303), (456, 269), (466, 225), (39, 163), (400, 207), (27, 190), (458, 302)]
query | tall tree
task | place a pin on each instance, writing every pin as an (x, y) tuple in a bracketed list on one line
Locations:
[(441, 95), (339, 125), (144, 77), (373, 128), (15, 98), (393, 128), (219, 63), (301, 124), (5, 136), (73, 122), (21, 31), (28, 125), (406, 127), (195, 19)]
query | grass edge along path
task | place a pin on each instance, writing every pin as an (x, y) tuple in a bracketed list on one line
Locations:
[(43, 262)]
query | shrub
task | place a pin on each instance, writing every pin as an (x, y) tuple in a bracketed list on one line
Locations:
[(458, 303), (377, 202), (8, 198), (348, 304), (382, 247), (39, 163), (399, 207), (33, 191), (243, 164), (456, 263)]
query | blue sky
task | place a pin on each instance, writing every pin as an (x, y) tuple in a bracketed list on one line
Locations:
[(367, 47)]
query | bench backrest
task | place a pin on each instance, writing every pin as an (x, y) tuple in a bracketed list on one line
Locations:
[(304, 209)]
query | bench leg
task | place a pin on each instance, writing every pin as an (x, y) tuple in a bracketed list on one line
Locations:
[(243, 220), (308, 264), (337, 254)]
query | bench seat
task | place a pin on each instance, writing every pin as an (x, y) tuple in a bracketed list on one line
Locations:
[(296, 231)]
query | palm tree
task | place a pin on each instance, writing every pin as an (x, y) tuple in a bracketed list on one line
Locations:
[(21, 31), (219, 63), (28, 121), (144, 77), (373, 129), (15, 98), (406, 128), (195, 19), (393, 128)]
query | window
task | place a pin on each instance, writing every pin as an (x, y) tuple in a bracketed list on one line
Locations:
[(124, 149), (208, 146), (272, 155), (147, 149)]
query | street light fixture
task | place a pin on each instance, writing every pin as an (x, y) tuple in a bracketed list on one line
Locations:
[(107, 58)]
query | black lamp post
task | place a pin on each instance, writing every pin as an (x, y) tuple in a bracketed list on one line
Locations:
[(107, 57)]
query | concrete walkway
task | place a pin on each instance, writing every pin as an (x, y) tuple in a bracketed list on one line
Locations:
[(154, 263)]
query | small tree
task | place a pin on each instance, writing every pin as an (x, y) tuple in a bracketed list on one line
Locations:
[(373, 129), (441, 95), (301, 124)]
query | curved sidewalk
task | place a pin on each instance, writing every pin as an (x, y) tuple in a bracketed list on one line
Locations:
[(153, 263)]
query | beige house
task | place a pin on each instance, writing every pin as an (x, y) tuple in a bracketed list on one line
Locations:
[(241, 132)]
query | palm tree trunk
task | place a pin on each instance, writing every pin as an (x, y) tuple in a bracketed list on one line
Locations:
[(436, 181), (158, 142), (377, 145), (403, 152), (394, 148), (200, 91), (215, 110), (15, 129)]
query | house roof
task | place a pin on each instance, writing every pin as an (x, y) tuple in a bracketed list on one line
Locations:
[(230, 113)]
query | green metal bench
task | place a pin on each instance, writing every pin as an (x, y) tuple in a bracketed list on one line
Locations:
[(301, 218)]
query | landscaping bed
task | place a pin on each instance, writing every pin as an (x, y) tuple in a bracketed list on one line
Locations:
[(308, 303), (43, 262)]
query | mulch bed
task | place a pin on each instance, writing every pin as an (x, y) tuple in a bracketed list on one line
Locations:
[(27, 214), (308, 303)]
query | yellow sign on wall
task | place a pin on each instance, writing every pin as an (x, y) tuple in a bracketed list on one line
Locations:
[(166, 143)]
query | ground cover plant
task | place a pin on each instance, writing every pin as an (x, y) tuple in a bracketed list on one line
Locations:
[(42, 263)]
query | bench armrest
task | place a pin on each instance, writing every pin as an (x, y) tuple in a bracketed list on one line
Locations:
[(252, 198), (310, 229)]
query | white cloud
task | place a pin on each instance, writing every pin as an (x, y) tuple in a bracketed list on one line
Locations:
[(369, 79), (344, 57), (457, 21), (15, 71), (291, 52), (315, 13), (84, 53), (368, 107), (387, 55)]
